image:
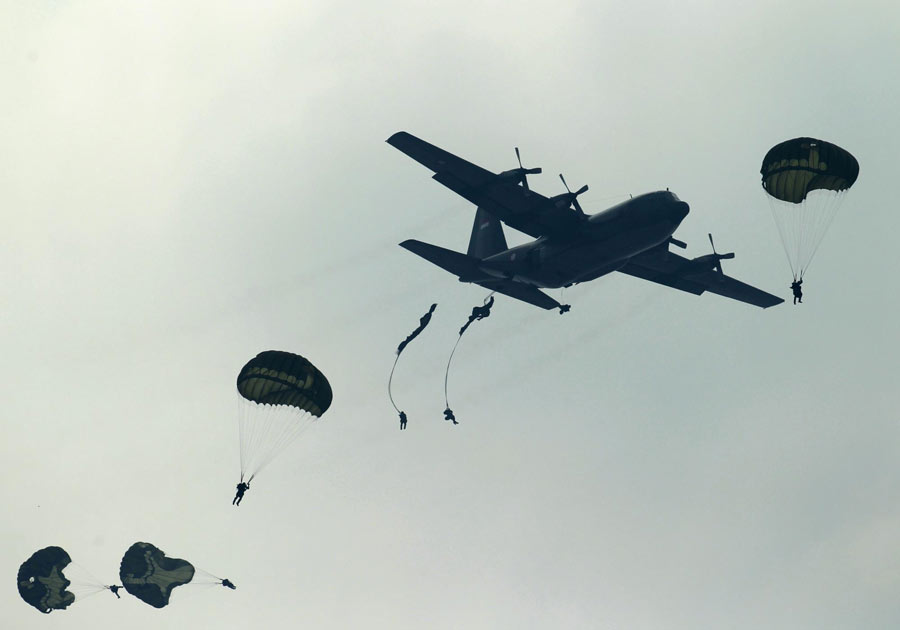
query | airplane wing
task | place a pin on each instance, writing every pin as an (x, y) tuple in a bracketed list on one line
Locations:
[(664, 267), (524, 210)]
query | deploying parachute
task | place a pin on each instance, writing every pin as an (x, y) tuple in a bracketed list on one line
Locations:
[(805, 180), (43, 585), (281, 395), (41, 580), (150, 576)]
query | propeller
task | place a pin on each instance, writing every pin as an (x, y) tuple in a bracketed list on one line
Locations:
[(719, 257), (572, 197), (520, 174)]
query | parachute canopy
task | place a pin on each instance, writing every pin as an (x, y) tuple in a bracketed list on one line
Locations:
[(150, 576), (274, 377), (794, 168), (41, 580), (281, 394), (805, 180)]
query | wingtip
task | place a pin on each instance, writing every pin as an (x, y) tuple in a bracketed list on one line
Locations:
[(395, 138)]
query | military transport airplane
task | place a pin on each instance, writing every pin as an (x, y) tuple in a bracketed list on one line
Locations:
[(632, 237)]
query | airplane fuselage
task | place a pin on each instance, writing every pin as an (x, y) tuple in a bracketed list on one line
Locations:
[(603, 244)]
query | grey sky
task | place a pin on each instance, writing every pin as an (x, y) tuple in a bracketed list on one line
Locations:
[(185, 186)]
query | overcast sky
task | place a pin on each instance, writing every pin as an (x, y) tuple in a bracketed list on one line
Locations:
[(185, 185)]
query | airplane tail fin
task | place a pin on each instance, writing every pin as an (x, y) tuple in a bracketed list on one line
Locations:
[(487, 236)]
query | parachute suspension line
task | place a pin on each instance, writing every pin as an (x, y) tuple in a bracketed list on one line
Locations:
[(265, 431), (256, 424), (826, 218), (391, 378), (261, 434), (802, 227), (447, 373), (83, 584), (259, 428), (810, 214), (203, 578), (93, 578), (811, 220), (253, 427), (286, 431), (285, 437), (780, 227), (241, 440), (799, 215)]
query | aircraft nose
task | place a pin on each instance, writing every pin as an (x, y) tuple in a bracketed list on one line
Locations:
[(681, 209)]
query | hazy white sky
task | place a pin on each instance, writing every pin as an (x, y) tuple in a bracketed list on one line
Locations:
[(185, 185)]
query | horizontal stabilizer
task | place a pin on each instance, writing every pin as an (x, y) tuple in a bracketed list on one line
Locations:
[(469, 269), (456, 263)]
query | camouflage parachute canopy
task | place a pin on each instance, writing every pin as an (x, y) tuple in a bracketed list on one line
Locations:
[(796, 167), (274, 377), (41, 580), (150, 576)]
